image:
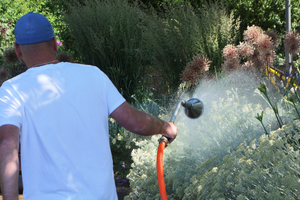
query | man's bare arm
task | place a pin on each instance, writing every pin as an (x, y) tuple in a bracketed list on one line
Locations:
[(142, 123), (9, 161)]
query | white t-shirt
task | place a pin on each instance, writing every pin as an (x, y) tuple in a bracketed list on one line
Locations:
[(62, 111)]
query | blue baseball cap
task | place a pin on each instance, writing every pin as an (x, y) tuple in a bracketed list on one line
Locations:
[(33, 28)]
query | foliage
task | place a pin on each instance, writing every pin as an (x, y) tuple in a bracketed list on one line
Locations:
[(182, 32), (274, 107), (228, 120), (267, 14), (108, 34), (261, 169)]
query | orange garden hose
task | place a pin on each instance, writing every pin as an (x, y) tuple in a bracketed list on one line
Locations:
[(194, 108), (160, 170)]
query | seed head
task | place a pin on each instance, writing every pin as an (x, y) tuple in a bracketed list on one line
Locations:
[(230, 52), (264, 43), (292, 42), (194, 69), (274, 37), (252, 33), (245, 50)]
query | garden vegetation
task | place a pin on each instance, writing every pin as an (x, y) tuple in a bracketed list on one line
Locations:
[(246, 144)]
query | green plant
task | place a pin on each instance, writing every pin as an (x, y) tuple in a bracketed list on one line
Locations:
[(173, 38), (108, 34), (266, 14), (274, 107), (260, 118), (260, 169), (228, 120)]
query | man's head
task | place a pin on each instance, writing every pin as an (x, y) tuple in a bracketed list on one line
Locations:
[(35, 41), (33, 28)]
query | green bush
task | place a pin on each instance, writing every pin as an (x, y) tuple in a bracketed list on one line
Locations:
[(125, 39), (265, 14), (228, 120), (267, 168), (182, 32), (108, 34)]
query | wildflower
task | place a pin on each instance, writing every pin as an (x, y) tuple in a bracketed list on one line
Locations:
[(10, 56), (274, 37), (264, 43), (252, 33), (195, 68), (230, 53), (58, 43), (292, 42), (123, 165), (245, 50)]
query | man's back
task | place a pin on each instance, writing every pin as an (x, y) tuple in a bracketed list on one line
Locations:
[(63, 109)]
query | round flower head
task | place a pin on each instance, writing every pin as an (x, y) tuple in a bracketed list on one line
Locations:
[(252, 33), (292, 42), (230, 52), (245, 50), (195, 68), (264, 43), (274, 37)]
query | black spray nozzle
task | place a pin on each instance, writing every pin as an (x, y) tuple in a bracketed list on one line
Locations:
[(193, 108)]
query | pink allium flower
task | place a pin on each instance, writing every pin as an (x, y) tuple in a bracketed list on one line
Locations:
[(194, 69), (245, 50), (274, 37), (292, 42), (264, 43), (230, 52), (252, 33)]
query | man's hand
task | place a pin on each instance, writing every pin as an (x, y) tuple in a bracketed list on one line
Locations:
[(9, 161), (170, 131)]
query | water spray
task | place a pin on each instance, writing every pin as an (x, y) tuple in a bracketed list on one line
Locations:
[(193, 108)]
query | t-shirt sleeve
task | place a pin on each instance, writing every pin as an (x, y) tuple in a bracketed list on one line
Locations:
[(10, 106), (114, 98)]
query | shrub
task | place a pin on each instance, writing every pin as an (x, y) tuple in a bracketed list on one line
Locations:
[(228, 120), (108, 34), (182, 32), (262, 169)]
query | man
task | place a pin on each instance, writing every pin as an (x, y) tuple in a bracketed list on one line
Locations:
[(59, 113)]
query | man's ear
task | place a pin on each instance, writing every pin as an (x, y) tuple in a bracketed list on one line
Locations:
[(18, 50)]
